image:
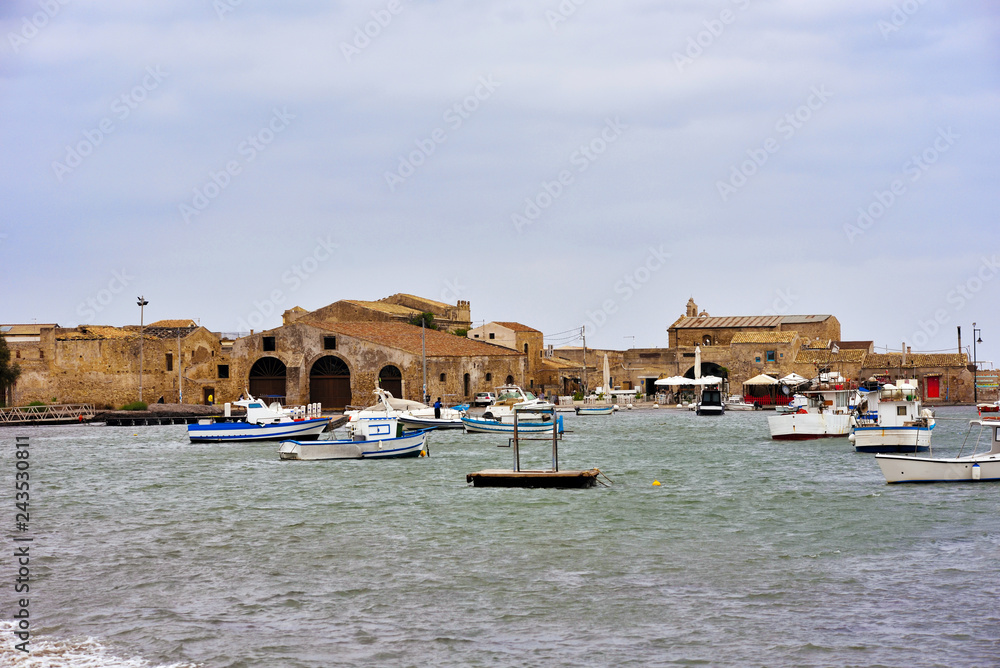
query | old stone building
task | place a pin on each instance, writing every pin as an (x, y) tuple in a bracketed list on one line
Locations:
[(515, 336), (395, 308), (339, 364)]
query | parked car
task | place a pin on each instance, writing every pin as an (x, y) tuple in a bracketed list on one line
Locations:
[(484, 399)]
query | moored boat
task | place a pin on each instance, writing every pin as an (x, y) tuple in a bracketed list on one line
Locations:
[(826, 415), (374, 439), (595, 410), (411, 414), (889, 419), (262, 423), (477, 425), (971, 468)]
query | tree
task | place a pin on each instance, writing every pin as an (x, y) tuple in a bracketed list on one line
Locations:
[(9, 373), (426, 318)]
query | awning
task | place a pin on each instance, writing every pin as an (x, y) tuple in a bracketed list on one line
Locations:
[(762, 379), (793, 379)]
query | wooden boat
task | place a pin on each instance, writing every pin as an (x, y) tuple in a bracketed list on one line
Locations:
[(595, 410), (374, 439), (475, 425), (971, 468)]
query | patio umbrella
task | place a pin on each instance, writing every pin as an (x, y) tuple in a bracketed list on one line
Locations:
[(607, 375)]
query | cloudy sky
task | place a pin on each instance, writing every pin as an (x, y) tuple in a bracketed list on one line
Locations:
[(560, 164)]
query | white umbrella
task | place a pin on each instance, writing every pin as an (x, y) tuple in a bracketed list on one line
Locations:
[(697, 362), (673, 380), (793, 379)]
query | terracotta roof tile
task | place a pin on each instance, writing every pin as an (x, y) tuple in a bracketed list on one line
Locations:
[(715, 322), (404, 336), (892, 360), (173, 323), (764, 337), (822, 356), (516, 326)]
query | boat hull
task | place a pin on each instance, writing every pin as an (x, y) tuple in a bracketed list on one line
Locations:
[(603, 410), (494, 427), (411, 422), (410, 445), (304, 430), (904, 468), (807, 426), (892, 439)]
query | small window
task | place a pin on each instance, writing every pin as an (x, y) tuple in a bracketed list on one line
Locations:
[(170, 361), (770, 355), (443, 376), (223, 371), (757, 360), (329, 343), (900, 410), (525, 348), (489, 377), (267, 343), (41, 354), (493, 335), (475, 336), (17, 355)]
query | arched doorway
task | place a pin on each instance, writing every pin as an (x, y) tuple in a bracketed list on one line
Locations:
[(390, 379), (709, 369), (267, 379), (466, 382), (510, 380), (330, 383)]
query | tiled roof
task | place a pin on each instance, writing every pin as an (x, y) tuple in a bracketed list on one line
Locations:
[(892, 360), (711, 322), (803, 319), (24, 330), (860, 345), (173, 323), (404, 336), (822, 356), (764, 337), (557, 363), (516, 326), (440, 305), (85, 332)]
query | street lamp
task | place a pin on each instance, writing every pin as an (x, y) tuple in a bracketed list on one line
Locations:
[(142, 304), (975, 364)]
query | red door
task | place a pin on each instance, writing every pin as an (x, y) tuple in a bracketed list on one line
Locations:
[(933, 387)]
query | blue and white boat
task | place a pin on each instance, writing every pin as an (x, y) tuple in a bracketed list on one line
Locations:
[(479, 425), (889, 419), (595, 410), (262, 423), (374, 438)]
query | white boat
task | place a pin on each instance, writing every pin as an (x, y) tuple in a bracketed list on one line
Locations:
[(971, 468), (595, 410), (374, 438), (735, 403), (262, 423), (710, 403), (475, 425), (412, 414), (511, 398), (827, 415), (889, 419)]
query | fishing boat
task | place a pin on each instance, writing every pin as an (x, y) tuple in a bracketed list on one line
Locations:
[(710, 403), (735, 402), (511, 398), (972, 468), (373, 439), (411, 414), (825, 415), (595, 410), (889, 419), (262, 423), (487, 426)]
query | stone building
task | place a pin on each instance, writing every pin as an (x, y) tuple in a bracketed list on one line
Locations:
[(338, 364), (395, 308), (515, 336)]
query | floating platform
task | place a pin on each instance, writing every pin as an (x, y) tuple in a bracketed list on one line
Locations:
[(547, 479)]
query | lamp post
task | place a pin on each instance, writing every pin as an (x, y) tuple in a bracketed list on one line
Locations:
[(142, 304), (975, 364)]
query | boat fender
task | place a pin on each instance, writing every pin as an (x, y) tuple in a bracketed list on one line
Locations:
[(559, 422), (975, 472), (656, 483), (801, 411)]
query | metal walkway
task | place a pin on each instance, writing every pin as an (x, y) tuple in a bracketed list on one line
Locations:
[(56, 414)]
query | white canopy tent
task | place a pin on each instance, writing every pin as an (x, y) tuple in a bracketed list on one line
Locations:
[(762, 379), (793, 379), (681, 380)]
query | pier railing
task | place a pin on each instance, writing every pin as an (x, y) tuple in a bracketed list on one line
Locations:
[(46, 414)]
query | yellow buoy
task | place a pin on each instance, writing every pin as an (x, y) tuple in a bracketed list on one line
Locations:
[(656, 483), (423, 453)]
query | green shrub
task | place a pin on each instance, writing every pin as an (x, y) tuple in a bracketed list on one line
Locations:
[(578, 396), (135, 406)]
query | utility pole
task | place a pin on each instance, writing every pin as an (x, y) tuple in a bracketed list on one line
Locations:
[(423, 352), (142, 304), (583, 333), (180, 376)]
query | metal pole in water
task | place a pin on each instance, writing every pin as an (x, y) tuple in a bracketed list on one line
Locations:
[(555, 448)]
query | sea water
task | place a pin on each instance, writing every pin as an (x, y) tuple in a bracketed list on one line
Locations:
[(149, 550)]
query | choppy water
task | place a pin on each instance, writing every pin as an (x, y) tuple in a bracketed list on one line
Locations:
[(150, 550)]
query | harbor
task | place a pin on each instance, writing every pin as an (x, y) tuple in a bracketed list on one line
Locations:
[(204, 555)]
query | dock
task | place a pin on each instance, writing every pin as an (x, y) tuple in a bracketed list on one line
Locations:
[(39, 415), (528, 478)]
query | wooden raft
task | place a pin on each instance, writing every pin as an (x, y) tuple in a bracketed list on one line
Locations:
[(549, 479)]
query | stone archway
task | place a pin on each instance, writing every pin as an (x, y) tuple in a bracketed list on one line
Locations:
[(267, 379), (390, 379), (330, 383)]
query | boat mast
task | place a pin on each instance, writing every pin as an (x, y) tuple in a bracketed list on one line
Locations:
[(423, 353)]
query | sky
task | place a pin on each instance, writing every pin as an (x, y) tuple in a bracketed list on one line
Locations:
[(567, 165)]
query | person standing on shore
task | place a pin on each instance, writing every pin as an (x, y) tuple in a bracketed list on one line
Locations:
[(437, 409)]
